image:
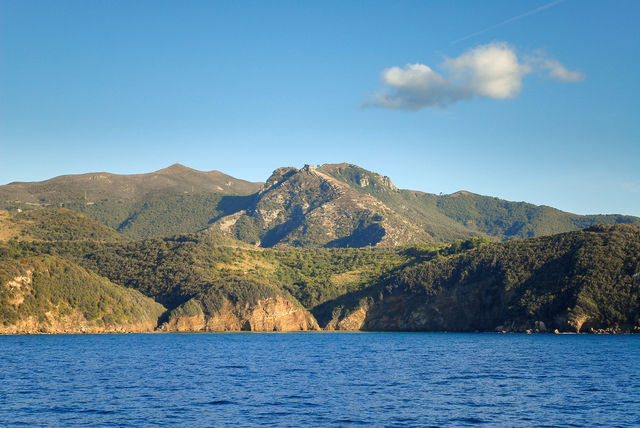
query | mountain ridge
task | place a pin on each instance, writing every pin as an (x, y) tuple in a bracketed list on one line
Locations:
[(332, 205), (88, 186)]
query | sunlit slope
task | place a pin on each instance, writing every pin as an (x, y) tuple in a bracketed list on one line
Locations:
[(170, 201), (46, 294), (463, 214), (54, 224)]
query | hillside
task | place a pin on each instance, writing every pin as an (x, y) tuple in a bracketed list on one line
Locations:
[(100, 186), (309, 208), (56, 224), (464, 214), (170, 201), (46, 294), (214, 271), (335, 205), (573, 281)]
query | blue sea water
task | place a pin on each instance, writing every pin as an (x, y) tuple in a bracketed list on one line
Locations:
[(320, 379)]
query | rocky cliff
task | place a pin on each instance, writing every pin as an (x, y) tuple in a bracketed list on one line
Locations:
[(578, 281), (265, 315), (46, 294)]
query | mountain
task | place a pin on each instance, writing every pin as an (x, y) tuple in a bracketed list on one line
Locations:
[(343, 205), (577, 281), (463, 214), (94, 187), (335, 205), (307, 207), (170, 201)]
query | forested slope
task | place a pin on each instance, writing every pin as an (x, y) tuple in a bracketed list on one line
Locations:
[(573, 281)]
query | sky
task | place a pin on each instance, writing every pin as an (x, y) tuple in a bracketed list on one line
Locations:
[(533, 101)]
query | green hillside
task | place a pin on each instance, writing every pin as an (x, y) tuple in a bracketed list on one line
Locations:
[(579, 280), (156, 217), (55, 224), (335, 205), (174, 200), (572, 281), (100, 186), (174, 270), (464, 214), (48, 294)]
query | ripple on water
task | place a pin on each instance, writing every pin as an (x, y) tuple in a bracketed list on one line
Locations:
[(391, 379)]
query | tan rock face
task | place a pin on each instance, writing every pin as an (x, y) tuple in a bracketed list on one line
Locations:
[(278, 314), (20, 286), (73, 323), (183, 324), (271, 314), (352, 322)]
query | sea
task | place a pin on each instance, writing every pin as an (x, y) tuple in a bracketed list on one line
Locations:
[(320, 380)]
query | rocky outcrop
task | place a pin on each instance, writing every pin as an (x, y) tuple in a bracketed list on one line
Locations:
[(575, 282), (46, 294), (75, 322), (353, 321), (270, 314), (308, 207)]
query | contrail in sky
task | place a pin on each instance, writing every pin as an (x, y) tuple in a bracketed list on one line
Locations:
[(515, 18)]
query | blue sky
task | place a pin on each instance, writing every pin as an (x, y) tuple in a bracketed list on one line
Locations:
[(523, 100)]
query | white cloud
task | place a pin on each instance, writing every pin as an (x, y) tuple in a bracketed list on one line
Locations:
[(416, 86), (491, 71), (554, 68)]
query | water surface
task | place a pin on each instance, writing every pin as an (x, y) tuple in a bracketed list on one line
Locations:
[(324, 379)]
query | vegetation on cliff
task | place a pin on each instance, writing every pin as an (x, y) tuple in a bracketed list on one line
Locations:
[(83, 272), (48, 294), (573, 281)]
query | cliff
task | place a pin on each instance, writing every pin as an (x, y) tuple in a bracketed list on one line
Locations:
[(270, 314), (46, 294), (579, 281)]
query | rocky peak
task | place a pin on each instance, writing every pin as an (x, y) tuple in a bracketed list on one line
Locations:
[(279, 175), (387, 182), (358, 177)]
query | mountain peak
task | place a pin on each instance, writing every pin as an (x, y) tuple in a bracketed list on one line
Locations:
[(358, 177), (462, 193), (176, 168), (280, 175)]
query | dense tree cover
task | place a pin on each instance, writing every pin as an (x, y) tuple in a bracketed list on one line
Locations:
[(162, 215), (509, 220), (59, 225), (173, 270), (213, 268), (37, 285), (578, 280)]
